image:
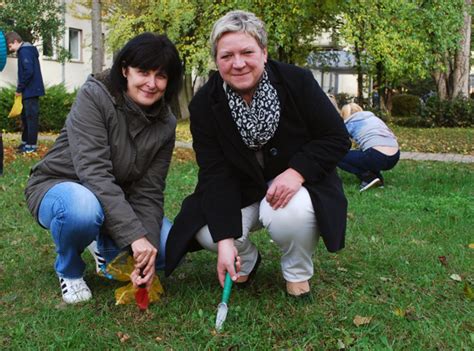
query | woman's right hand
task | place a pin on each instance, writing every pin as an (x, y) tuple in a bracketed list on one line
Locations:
[(144, 254), (227, 260)]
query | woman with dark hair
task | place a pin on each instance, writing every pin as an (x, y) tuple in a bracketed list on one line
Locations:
[(101, 184)]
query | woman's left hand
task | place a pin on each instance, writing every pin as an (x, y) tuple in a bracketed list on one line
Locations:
[(283, 188)]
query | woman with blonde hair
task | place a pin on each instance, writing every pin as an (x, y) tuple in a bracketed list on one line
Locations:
[(378, 146), (267, 142)]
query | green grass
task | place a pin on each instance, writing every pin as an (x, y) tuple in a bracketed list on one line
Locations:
[(389, 271), (437, 140)]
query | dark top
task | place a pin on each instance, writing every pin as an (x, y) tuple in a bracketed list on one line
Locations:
[(30, 81), (311, 138)]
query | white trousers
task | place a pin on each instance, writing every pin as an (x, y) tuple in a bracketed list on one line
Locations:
[(293, 228)]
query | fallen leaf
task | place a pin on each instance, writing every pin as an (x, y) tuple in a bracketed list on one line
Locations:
[(340, 345), (384, 279), (359, 320), (456, 277), (471, 246), (158, 339), (181, 276), (341, 269), (399, 312), (443, 260), (468, 291), (123, 337)]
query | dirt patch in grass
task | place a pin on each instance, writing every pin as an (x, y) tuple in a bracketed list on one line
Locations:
[(183, 155)]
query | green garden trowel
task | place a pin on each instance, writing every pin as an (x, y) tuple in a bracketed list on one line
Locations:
[(222, 308)]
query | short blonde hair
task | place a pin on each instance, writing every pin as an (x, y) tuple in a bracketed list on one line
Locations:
[(238, 21), (349, 109)]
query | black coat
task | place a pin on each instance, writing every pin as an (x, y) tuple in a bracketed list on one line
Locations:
[(311, 138)]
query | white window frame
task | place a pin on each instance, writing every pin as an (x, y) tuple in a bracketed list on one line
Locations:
[(77, 44)]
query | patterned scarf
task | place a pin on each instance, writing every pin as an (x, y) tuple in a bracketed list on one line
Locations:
[(258, 122)]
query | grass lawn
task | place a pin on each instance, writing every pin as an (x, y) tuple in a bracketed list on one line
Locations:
[(388, 289), (437, 140)]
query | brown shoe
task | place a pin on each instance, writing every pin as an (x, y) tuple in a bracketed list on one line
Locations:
[(300, 289), (245, 280)]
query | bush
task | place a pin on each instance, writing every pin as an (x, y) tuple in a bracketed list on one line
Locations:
[(405, 105), (54, 107), (7, 95), (458, 112)]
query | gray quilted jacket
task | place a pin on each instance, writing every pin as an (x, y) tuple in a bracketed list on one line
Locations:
[(121, 154)]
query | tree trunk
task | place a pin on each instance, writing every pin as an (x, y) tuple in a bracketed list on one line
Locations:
[(360, 74), (382, 89), (185, 96), (97, 42), (441, 81), (460, 78)]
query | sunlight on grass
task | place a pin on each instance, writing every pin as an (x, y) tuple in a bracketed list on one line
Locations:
[(390, 275)]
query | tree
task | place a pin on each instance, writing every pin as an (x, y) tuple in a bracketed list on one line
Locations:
[(397, 42), (34, 19), (386, 43), (291, 25), (97, 42), (450, 48)]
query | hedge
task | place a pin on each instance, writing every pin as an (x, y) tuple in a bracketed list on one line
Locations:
[(405, 105), (54, 107)]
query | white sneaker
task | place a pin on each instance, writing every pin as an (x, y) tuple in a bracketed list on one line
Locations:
[(100, 262), (367, 185), (74, 290)]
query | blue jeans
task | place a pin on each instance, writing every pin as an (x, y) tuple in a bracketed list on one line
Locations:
[(360, 162), (74, 216), (30, 120)]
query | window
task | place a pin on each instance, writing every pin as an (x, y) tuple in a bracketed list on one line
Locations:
[(75, 48), (48, 47)]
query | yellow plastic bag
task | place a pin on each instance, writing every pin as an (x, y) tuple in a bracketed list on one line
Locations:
[(126, 294), (16, 108), (120, 269)]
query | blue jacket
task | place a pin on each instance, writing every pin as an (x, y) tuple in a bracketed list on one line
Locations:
[(30, 81)]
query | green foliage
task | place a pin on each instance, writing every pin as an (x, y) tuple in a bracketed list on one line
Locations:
[(32, 19), (458, 112), (54, 107), (399, 41), (291, 25), (405, 105), (7, 96)]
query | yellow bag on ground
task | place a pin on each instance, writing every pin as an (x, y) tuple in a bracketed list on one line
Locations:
[(120, 269), (126, 294), (16, 108)]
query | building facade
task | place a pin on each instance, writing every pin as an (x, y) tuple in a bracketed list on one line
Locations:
[(77, 40)]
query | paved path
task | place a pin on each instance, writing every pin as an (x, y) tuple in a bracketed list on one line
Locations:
[(421, 156), (416, 156)]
